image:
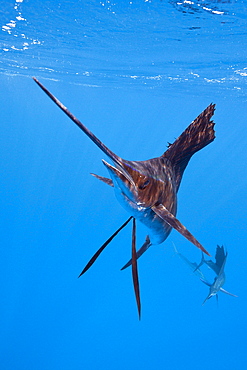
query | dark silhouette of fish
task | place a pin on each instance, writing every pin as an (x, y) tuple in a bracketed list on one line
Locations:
[(218, 267), (220, 257), (148, 189)]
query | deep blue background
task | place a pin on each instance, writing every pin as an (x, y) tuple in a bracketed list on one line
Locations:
[(136, 74)]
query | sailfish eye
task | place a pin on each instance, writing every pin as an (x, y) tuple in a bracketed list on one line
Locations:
[(144, 185)]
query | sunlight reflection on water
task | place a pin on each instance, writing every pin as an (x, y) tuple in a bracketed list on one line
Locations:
[(158, 45)]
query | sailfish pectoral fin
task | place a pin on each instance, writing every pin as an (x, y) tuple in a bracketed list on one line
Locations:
[(225, 291), (104, 179), (135, 270), (168, 217), (100, 250), (143, 249)]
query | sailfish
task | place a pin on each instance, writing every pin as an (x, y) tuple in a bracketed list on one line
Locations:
[(148, 189), (219, 268)]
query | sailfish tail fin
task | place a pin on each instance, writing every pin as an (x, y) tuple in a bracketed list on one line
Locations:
[(197, 135)]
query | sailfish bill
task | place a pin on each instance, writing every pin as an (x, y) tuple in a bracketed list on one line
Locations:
[(148, 189)]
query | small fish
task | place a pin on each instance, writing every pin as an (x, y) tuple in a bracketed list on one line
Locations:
[(218, 267), (148, 189)]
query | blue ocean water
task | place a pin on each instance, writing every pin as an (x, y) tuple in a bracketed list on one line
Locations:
[(136, 73)]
